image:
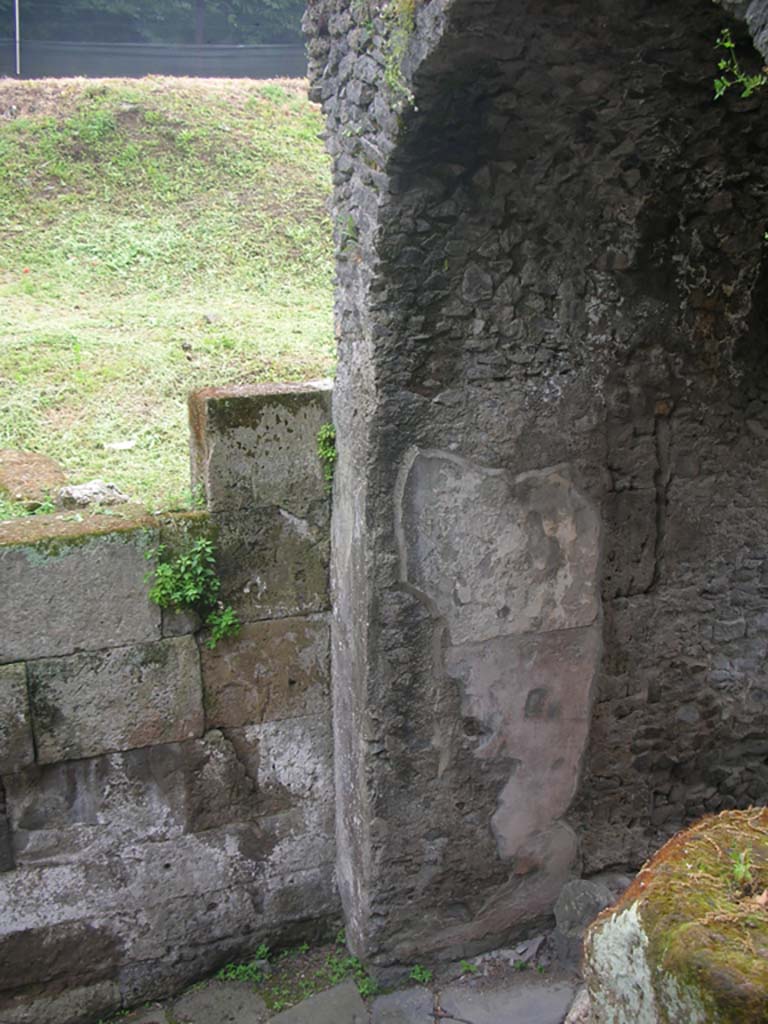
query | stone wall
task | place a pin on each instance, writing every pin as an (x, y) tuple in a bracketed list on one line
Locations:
[(165, 807), (550, 520)]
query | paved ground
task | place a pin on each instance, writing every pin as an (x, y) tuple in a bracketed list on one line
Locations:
[(498, 992)]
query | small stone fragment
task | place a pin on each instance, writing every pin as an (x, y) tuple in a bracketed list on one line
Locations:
[(94, 492)]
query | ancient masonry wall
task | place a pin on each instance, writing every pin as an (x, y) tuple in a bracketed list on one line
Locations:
[(164, 807), (550, 521)]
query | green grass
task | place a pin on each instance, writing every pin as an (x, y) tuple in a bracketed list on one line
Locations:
[(295, 974), (155, 236)]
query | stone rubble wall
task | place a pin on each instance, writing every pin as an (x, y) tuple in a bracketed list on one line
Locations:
[(552, 385), (165, 807)]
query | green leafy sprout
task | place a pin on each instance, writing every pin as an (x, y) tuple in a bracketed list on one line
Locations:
[(741, 867), (421, 974), (189, 582), (326, 452), (733, 75)]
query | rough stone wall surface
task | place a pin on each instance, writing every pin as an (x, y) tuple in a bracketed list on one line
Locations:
[(550, 515), (164, 807)]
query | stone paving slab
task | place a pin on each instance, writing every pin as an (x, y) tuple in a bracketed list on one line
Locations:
[(513, 1002), (148, 1015), (220, 1002), (411, 1006), (339, 1005)]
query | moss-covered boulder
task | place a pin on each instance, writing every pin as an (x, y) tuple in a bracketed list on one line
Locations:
[(688, 941)]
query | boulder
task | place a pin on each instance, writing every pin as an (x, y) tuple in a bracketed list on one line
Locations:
[(688, 941), (28, 477)]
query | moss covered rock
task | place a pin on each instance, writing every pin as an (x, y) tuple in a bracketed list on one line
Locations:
[(688, 941)]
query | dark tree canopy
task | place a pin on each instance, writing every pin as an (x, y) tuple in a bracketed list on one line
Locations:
[(167, 21)]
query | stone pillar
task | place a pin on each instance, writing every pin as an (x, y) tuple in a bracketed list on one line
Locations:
[(535, 315)]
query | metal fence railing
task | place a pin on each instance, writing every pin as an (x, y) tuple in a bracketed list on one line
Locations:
[(133, 60)]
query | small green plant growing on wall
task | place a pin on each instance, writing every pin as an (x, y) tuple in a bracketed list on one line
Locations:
[(326, 452), (400, 16), (733, 76), (188, 582)]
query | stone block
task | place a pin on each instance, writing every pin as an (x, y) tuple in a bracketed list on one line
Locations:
[(273, 564), (224, 1002), (116, 699), (579, 903), (339, 1005), (56, 1005), (16, 746), (59, 972), (537, 1001), (411, 1006), (80, 809), (257, 446), (74, 592), (271, 670)]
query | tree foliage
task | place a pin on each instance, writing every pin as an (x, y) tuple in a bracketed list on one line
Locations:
[(167, 21)]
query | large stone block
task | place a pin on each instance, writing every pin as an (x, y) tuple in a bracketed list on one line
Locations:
[(271, 670), (68, 591), (16, 746), (257, 446), (75, 810), (273, 564), (59, 972), (116, 699)]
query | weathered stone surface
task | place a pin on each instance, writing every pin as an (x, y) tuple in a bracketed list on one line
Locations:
[(531, 698), (581, 1009), (411, 1006), (257, 446), (220, 1003), (29, 477), (94, 492), (273, 564), (77, 809), (7, 858), (687, 941), (271, 670), (115, 699), (579, 903), (535, 1002), (80, 592), (70, 1005), (61, 972), (16, 745), (497, 555), (339, 1005), (148, 1015)]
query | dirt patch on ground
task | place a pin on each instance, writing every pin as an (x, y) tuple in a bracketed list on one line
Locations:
[(59, 97)]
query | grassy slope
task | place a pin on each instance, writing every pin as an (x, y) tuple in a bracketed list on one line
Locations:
[(155, 236)]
